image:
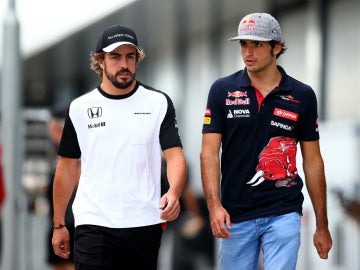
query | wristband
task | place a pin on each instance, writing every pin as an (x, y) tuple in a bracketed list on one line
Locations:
[(59, 226)]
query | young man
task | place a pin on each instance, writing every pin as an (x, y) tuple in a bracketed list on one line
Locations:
[(119, 131), (257, 116)]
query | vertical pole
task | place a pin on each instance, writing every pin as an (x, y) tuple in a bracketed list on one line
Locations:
[(323, 17), (11, 134)]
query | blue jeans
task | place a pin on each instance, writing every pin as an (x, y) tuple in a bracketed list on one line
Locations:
[(277, 236)]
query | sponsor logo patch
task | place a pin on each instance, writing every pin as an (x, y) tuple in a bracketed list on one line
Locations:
[(238, 113), (286, 114), (237, 101), (207, 120), (96, 125), (241, 98), (281, 125), (237, 94), (289, 98), (94, 112)]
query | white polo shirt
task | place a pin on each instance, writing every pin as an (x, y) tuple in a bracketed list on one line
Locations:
[(119, 140)]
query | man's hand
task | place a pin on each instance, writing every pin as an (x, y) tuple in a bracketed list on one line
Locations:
[(170, 206), (218, 218), (60, 242), (322, 242)]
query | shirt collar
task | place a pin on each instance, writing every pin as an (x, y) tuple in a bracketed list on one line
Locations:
[(283, 86)]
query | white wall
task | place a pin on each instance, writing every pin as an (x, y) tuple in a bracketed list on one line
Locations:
[(344, 60)]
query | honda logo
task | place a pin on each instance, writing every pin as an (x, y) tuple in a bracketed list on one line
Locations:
[(94, 112)]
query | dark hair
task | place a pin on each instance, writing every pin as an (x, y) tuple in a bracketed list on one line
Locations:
[(94, 62), (283, 47), (96, 56)]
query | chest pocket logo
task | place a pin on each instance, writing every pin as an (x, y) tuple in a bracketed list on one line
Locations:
[(94, 112)]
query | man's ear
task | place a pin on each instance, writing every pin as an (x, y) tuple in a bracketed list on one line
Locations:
[(101, 62), (277, 48)]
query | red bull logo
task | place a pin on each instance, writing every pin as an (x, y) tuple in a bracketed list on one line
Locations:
[(248, 21), (247, 25), (237, 94)]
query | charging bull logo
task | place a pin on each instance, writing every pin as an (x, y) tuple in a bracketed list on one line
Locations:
[(277, 162), (248, 21)]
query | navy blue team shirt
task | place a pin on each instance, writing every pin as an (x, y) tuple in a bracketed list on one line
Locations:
[(259, 142)]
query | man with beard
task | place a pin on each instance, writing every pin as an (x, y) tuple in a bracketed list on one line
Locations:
[(119, 130)]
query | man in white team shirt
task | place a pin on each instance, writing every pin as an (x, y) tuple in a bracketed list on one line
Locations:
[(119, 131)]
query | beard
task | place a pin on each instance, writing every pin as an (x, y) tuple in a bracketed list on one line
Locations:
[(123, 84)]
